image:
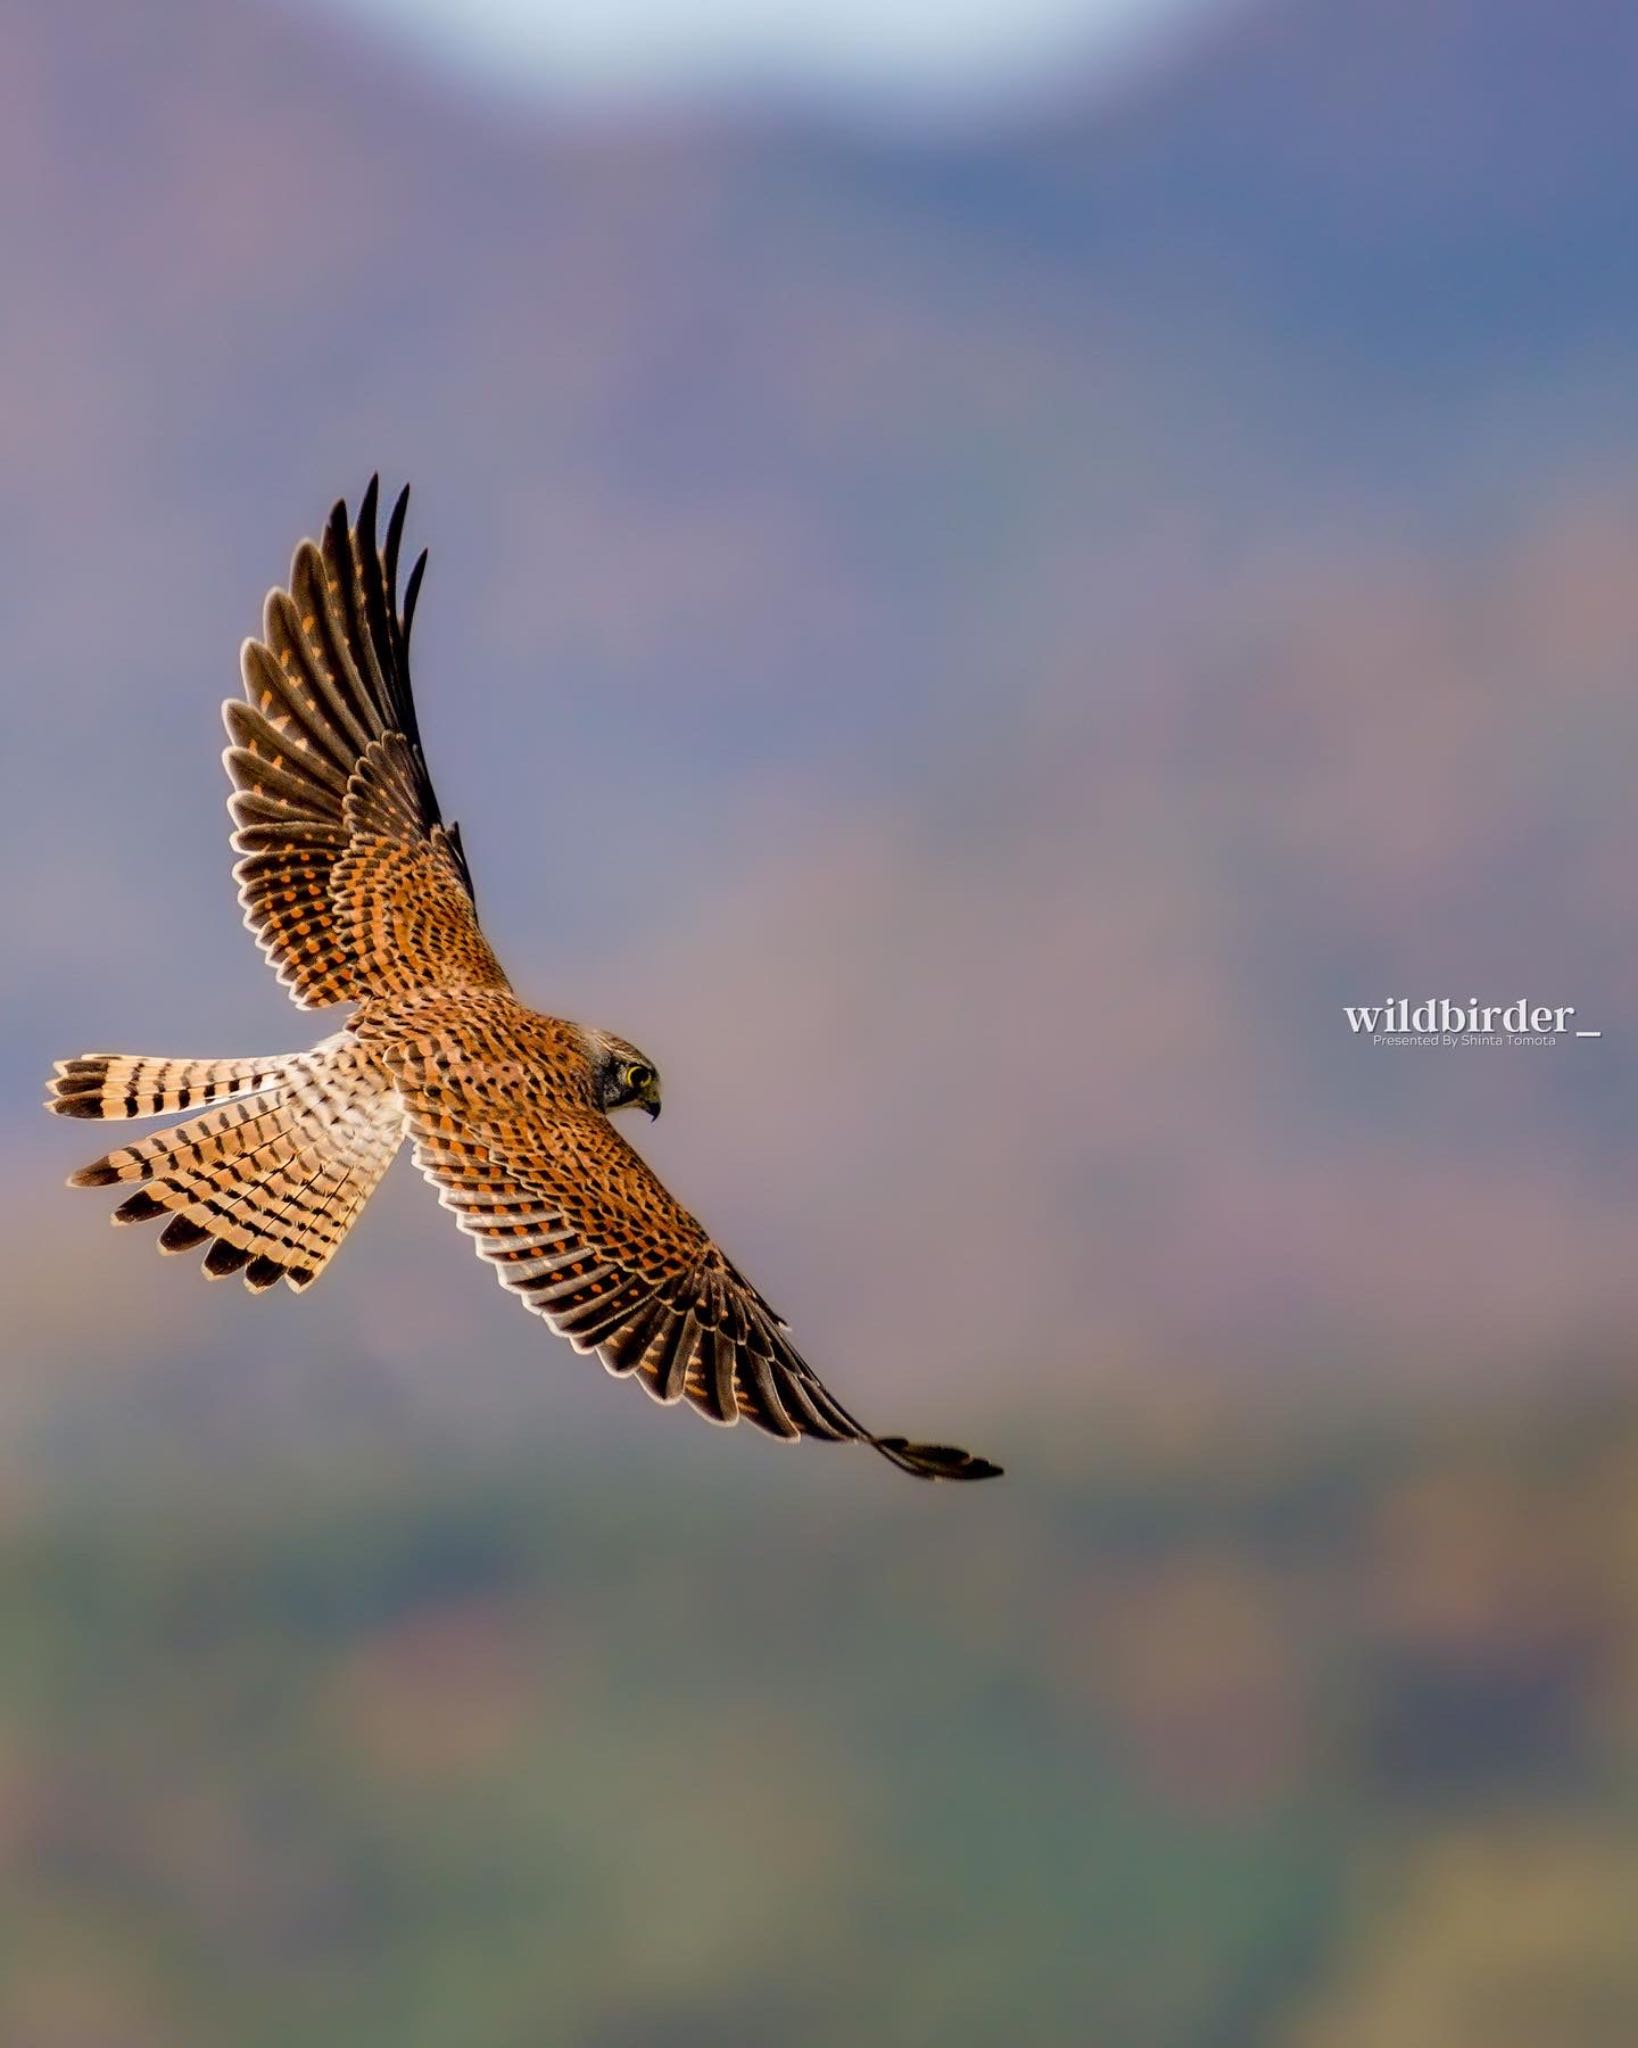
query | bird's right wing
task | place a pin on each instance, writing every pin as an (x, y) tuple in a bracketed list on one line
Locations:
[(350, 881), (587, 1236)]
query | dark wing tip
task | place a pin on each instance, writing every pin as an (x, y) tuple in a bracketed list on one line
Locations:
[(412, 590), (395, 535), (935, 1461), (364, 524)]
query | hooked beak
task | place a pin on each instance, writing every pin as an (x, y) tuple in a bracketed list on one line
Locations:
[(652, 1104)]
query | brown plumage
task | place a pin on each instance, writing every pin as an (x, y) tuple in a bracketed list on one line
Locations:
[(359, 893)]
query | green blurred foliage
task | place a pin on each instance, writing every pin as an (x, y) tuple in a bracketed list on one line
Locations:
[(1298, 1734)]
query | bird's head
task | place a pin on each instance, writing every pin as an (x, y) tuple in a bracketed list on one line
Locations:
[(623, 1077)]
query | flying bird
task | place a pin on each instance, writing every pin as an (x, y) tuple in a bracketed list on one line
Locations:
[(359, 893)]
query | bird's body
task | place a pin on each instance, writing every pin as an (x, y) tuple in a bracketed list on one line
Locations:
[(359, 893)]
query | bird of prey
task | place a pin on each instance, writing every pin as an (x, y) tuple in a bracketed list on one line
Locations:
[(358, 893)]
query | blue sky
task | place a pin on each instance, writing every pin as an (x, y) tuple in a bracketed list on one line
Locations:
[(933, 51)]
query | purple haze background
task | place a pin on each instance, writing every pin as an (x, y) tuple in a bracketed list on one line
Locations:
[(971, 650)]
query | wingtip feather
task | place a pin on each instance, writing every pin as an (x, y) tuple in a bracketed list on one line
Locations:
[(412, 591), (936, 1461)]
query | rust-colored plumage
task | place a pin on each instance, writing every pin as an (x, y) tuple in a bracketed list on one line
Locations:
[(359, 893)]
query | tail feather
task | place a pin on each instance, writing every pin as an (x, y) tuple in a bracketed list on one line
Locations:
[(268, 1181), (111, 1084)]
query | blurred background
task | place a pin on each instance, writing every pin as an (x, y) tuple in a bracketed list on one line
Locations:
[(992, 567)]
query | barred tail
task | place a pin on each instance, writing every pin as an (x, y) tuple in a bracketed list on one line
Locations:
[(111, 1084), (269, 1181)]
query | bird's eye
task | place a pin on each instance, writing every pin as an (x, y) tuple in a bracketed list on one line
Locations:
[(639, 1077)]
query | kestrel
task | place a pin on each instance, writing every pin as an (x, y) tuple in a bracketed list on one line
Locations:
[(358, 893)]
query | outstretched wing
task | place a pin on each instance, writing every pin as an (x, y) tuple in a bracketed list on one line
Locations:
[(577, 1226), (349, 879)]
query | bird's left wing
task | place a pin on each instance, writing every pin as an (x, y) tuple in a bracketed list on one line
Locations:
[(586, 1235), (350, 880)]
